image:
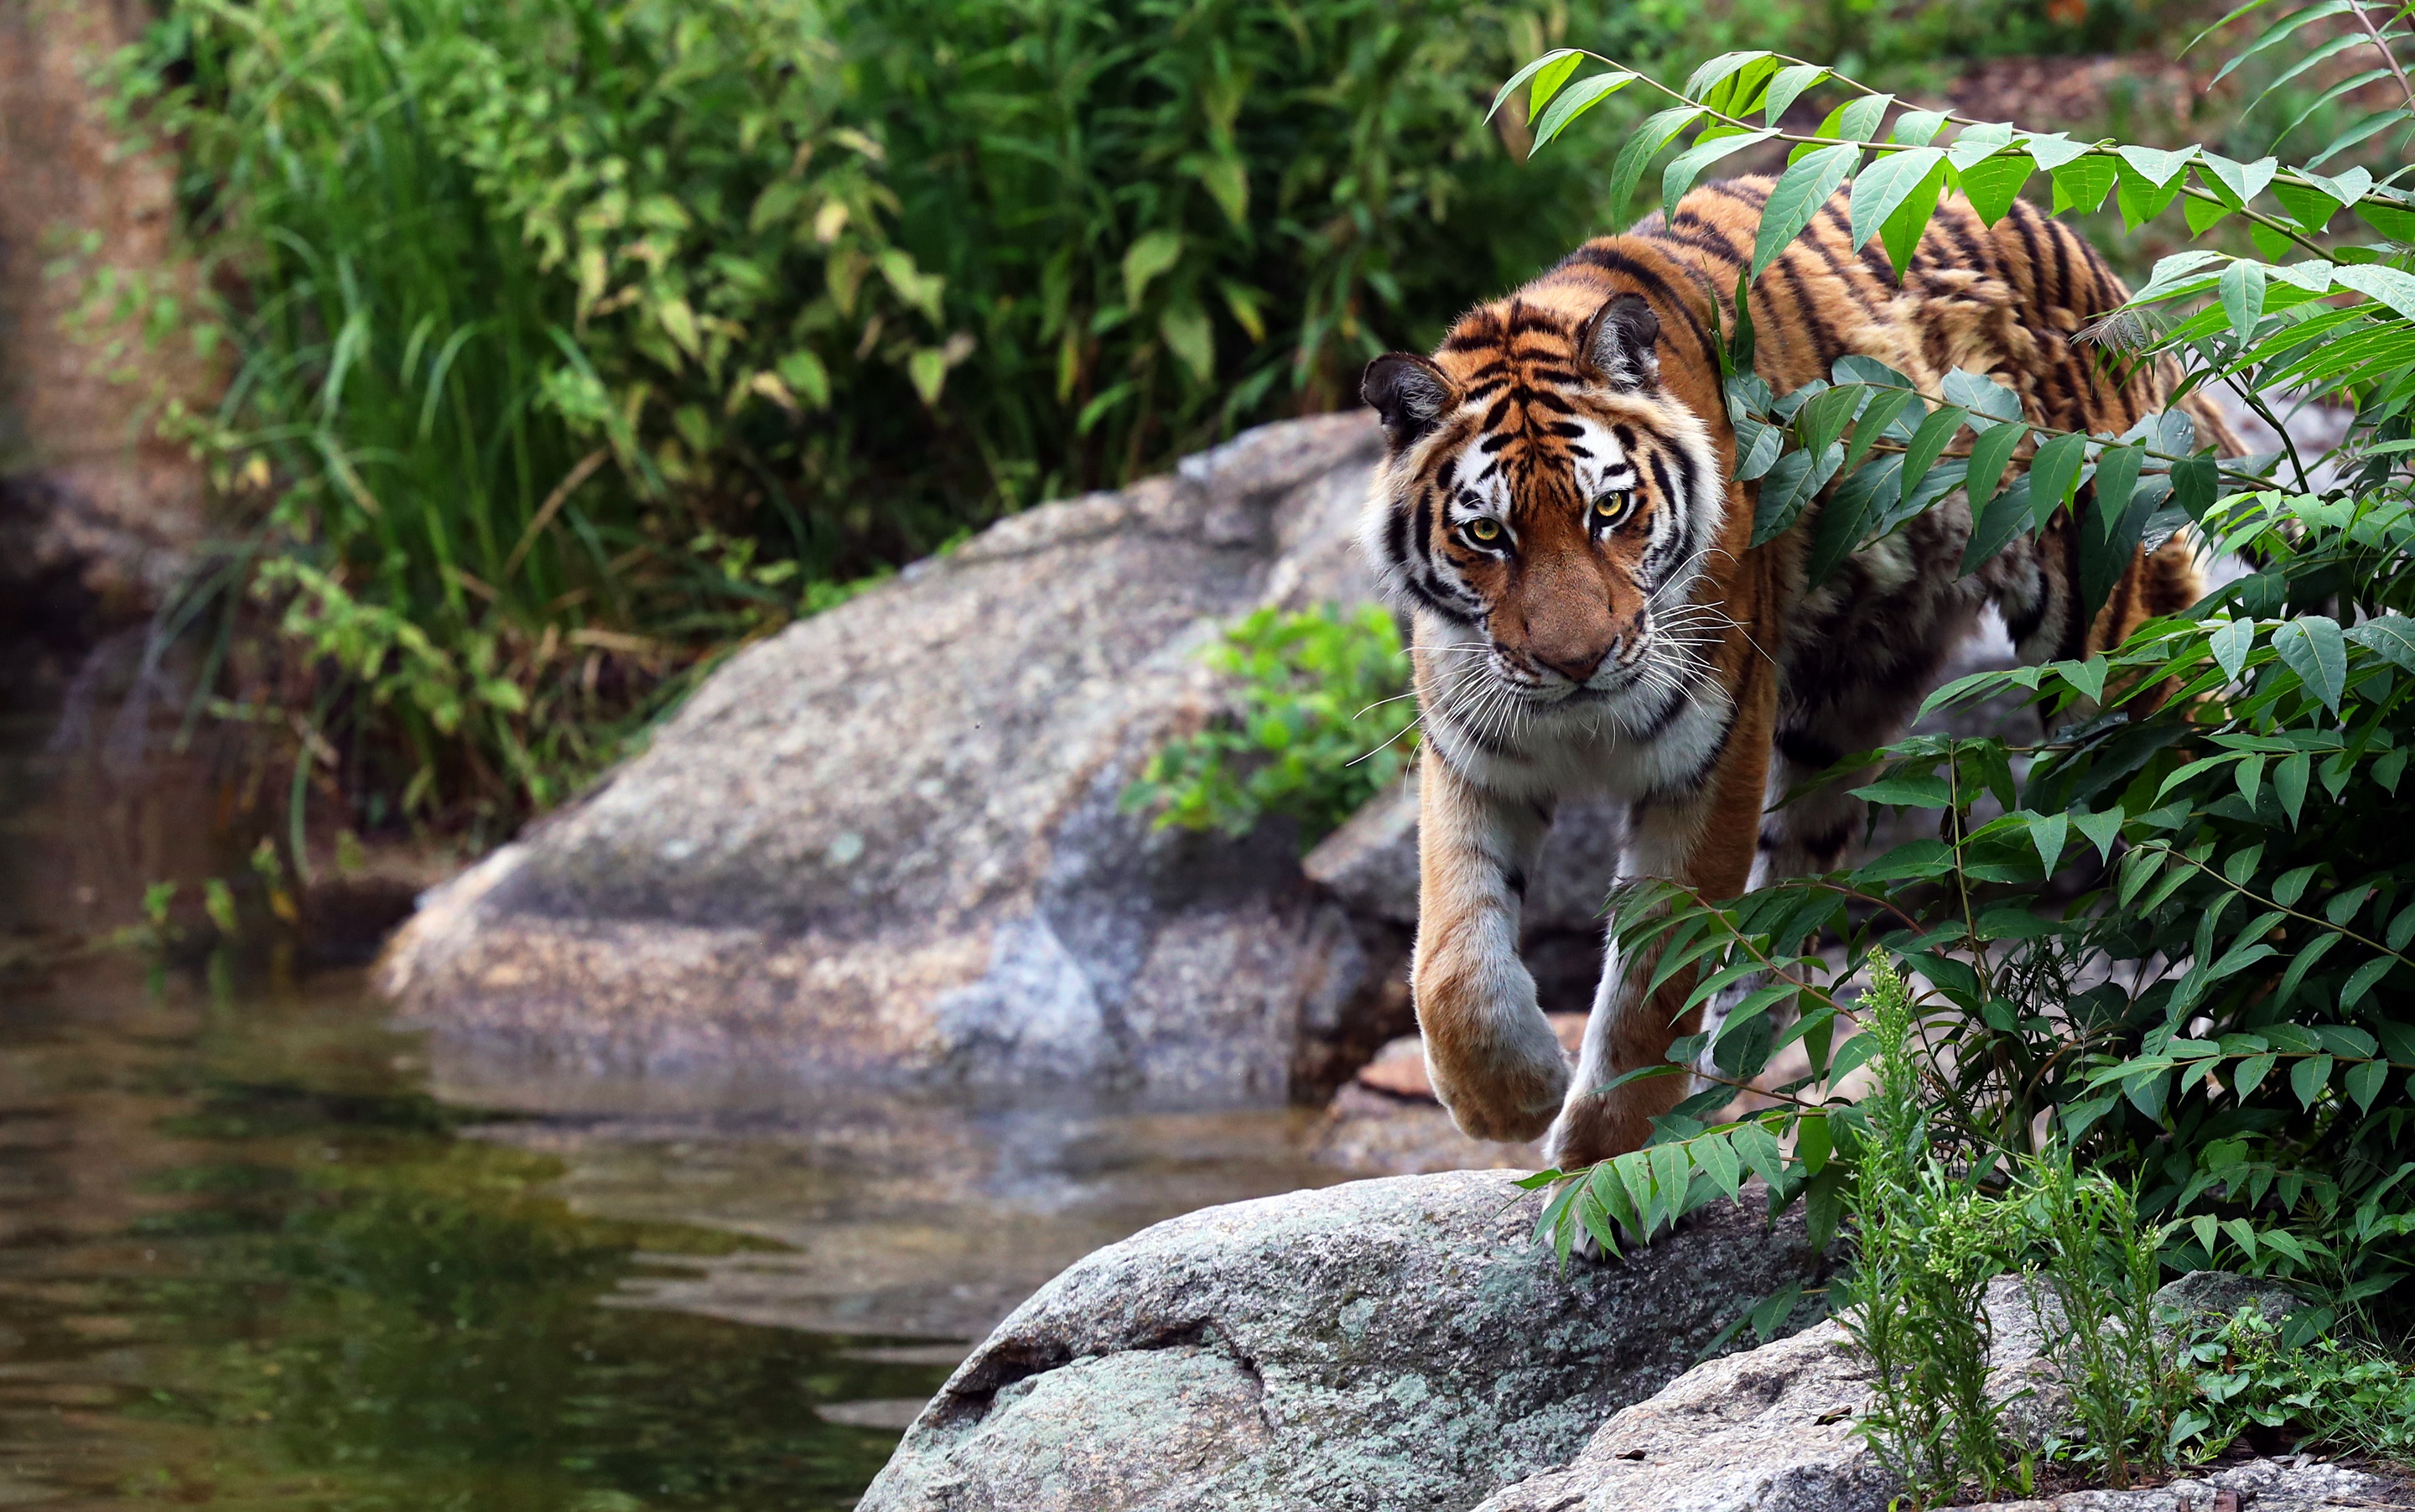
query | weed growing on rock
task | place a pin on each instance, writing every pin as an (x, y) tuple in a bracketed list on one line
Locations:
[(2342, 1393), (1927, 1242), (2117, 1357)]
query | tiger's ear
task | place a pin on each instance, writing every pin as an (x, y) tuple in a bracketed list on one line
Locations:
[(1409, 392), (1621, 341)]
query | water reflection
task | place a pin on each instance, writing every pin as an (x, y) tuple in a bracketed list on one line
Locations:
[(245, 1262), (254, 1252)]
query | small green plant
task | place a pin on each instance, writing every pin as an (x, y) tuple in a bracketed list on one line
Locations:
[(2342, 1394), (2118, 1357), (1320, 723), (1929, 1241)]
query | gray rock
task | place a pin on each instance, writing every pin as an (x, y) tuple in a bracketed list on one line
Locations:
[(886, 845), (1390, 1344), (2211, 1297), (2257, 1486)]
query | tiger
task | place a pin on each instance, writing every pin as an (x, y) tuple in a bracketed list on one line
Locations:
[(1556, 519)]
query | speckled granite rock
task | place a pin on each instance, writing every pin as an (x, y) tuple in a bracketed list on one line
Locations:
[(885, 845), (1379, 1346), (2257, 1486)]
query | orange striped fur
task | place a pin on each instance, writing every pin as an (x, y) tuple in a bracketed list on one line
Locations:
[(1558, 517)]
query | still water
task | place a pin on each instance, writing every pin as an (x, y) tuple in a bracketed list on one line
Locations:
[(255, 1254)]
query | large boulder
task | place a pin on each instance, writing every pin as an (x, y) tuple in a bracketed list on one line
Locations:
[(1383, 1345), (886, 845)]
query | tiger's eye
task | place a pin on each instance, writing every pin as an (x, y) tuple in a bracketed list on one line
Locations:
[(1484, 529), (1610, 508)]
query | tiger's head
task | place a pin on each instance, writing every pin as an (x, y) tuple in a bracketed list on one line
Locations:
[(1549, 498)]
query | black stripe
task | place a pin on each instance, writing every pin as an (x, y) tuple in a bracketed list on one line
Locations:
[(1396, 539), (1677, 501), (1610, 259), (1823, 340)]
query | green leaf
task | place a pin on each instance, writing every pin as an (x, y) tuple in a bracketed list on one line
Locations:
[(2141, 200), (1712, 73), (1813, 1141), (2049, 832), (1799, 194), (1991, 452), (1992, 185), (2389, 635), (2251, 1074), (1903, 229), (2364, 1083), (2230, 643), (2361, 981), (1716, 1156), (1687, 166), (1148, 257), (1871, 425), (2391, 286), (806, 378), (2308, 1078), (1973, 144), (2290, 783), (2054, 475), (2278, 31), (2112, 536), (2242, 297), (2313, 647), (928, 370), (1885, 186), (1980, 395), (2053, 149), (2157, 168), (1190, 337), (1656, 132), (1820, 422), (1787, 87), (2002, 519), (1586, 94), (1857, 120), (2193, 483), (2082, 184), (1550, 72), (1928, 443), (1789, 489), (2102, 829), (2244, 181)]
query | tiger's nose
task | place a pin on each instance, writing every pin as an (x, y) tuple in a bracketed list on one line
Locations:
[(1577, 663)]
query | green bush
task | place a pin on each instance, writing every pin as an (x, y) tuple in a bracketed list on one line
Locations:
[(1320, 723), (2182, 947), (2340, 1393)]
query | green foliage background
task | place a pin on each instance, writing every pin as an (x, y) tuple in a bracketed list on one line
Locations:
[(573, 342)]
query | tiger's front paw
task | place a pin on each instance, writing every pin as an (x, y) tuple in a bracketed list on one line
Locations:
[(1599, 1126), (1502, 1080)]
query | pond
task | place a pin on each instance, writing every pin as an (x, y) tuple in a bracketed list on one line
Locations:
[(252, 1254)]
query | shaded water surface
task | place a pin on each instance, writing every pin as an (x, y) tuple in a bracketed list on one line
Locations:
[(254, 1254)]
